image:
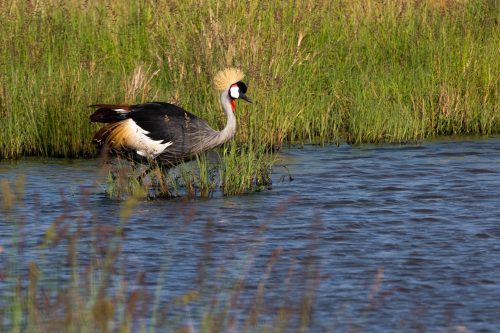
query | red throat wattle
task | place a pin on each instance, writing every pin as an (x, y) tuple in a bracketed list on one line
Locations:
[(233, 104)]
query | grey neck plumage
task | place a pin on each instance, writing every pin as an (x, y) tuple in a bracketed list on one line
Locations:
[(228, 132), (220, 137)]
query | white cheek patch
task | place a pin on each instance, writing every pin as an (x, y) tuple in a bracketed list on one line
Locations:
[(142, 143), (234, 92)]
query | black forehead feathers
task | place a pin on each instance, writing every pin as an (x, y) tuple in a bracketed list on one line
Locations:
[(242, 86)]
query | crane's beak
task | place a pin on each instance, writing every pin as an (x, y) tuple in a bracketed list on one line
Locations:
[(245, 97)]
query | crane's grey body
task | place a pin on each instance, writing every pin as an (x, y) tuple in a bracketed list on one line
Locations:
[(163, 131)]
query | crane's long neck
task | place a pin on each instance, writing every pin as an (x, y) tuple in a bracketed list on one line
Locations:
[(228, 132)]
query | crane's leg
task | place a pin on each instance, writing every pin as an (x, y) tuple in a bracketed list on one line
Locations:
[(159, 186), (150, 167)]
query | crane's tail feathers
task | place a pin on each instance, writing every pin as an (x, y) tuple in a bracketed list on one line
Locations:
[(101, 137), (108, 113)]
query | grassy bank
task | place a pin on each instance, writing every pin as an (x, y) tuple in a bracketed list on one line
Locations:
[(319, 71)]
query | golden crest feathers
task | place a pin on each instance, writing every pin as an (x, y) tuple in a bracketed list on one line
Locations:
[(226, 77)]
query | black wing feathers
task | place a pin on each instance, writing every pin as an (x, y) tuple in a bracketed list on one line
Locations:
[(163, 121)]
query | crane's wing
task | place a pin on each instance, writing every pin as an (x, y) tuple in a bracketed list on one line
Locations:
[(164, 121)]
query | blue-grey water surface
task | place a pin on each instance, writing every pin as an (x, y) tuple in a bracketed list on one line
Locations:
[(404, 237)]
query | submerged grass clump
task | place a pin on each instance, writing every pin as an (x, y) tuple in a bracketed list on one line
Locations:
[(236, 170), (361, 71)]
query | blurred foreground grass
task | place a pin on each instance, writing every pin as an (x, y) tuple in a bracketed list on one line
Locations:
[(78, 276)]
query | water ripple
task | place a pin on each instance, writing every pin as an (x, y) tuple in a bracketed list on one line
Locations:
[(426, 216)]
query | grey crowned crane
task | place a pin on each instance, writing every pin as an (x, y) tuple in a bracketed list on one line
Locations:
[(165, 132)]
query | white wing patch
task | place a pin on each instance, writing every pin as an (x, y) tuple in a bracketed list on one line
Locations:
[(142, 143), (120, 110)]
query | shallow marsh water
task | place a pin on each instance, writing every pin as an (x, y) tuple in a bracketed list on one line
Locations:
[(405, 237)]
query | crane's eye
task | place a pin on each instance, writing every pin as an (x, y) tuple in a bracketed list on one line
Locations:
[(234, 92)]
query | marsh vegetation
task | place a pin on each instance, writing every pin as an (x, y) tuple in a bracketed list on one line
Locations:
[(355, 71), (319, 72)]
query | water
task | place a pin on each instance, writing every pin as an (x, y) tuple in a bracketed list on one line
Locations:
[(405, 237)]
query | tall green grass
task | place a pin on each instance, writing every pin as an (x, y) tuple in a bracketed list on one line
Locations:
[(319, 71)]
